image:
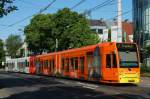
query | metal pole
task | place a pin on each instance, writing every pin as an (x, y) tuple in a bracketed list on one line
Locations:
[(119, 21), (56, 44), (26, 51)]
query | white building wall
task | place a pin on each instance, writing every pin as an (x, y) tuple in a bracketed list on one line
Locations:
[(97, 30), (105, 35), (114, 34)]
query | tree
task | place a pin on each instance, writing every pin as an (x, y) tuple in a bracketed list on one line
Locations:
[(13, 43), (69, 28), (147, 51), (39, 33), (6, 7), (72, 30), (2, 52)]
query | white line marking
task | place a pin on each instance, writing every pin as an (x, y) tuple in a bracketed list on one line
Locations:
[(89, 87)]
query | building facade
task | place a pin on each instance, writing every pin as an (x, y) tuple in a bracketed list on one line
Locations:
[(102, 27), (98, 26), (141, 20)]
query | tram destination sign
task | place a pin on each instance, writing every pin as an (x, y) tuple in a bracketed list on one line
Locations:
[(122, 46)]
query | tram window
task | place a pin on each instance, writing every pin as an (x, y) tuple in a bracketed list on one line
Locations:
[(26, 63), (72, 64), (53, 63), (41, 63), (89, 53), (76, 63), (108, 61), (50, 64), (22, 64), (82, 64), (46, 64), (114, 61), (67, 65), (62, 63)]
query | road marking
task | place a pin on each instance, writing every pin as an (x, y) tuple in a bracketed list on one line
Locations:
[(89, 87)]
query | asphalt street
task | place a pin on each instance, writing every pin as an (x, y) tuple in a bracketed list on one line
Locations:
[(24, 86)]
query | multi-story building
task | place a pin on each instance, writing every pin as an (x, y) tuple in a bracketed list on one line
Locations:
[(141, 19)]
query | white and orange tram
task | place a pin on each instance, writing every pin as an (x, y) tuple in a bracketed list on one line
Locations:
[(18, 65), (108, 62)]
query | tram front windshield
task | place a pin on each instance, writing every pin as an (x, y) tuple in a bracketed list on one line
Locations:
[(127, 55)]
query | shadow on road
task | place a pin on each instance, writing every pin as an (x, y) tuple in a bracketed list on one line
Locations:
[(53, 89), (61, 92), (14, 81)]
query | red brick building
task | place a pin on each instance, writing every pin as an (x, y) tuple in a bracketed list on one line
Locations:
[(127, 27)]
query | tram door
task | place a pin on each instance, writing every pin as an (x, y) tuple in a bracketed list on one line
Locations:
[(52, 67), (82, 67), (32, 68), (110, 69), (89, 56), (94, 65)]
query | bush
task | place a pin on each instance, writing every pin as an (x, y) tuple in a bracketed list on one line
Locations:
[(144, 69)]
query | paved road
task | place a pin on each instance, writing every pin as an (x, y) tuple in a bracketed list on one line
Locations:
[(23, 86)]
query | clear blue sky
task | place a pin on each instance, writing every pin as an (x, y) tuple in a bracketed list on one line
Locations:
[(30, 7)]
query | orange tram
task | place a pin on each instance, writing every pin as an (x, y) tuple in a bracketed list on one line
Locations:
[(105, 62), (108, 62)]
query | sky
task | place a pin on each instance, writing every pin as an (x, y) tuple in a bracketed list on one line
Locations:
[(30, 7)]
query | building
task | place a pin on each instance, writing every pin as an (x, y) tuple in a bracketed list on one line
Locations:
[(98, 26), (23, 51), (127, 30), (101, 27), (141, 19)]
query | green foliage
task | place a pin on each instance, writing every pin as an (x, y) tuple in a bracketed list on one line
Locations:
[(69, 28), (6, 7), (39, 33), (147, 50), (13, 43), (144, 69), (2, 52)]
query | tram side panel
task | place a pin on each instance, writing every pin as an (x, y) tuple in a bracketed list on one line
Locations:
[(11, 65)]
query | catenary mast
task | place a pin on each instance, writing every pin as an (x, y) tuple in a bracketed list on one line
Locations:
[(119, 21)]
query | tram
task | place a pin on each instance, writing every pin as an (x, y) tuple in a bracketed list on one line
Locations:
[(108, 62), (104, 62), (17, 65)]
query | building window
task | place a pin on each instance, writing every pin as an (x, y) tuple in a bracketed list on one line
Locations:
[(108, 61), (100, 31)]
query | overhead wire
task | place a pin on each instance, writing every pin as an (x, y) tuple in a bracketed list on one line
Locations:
[(124, 13), (103, 4), (39, 12), (29, 3), (76, 5), (42, 10)]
